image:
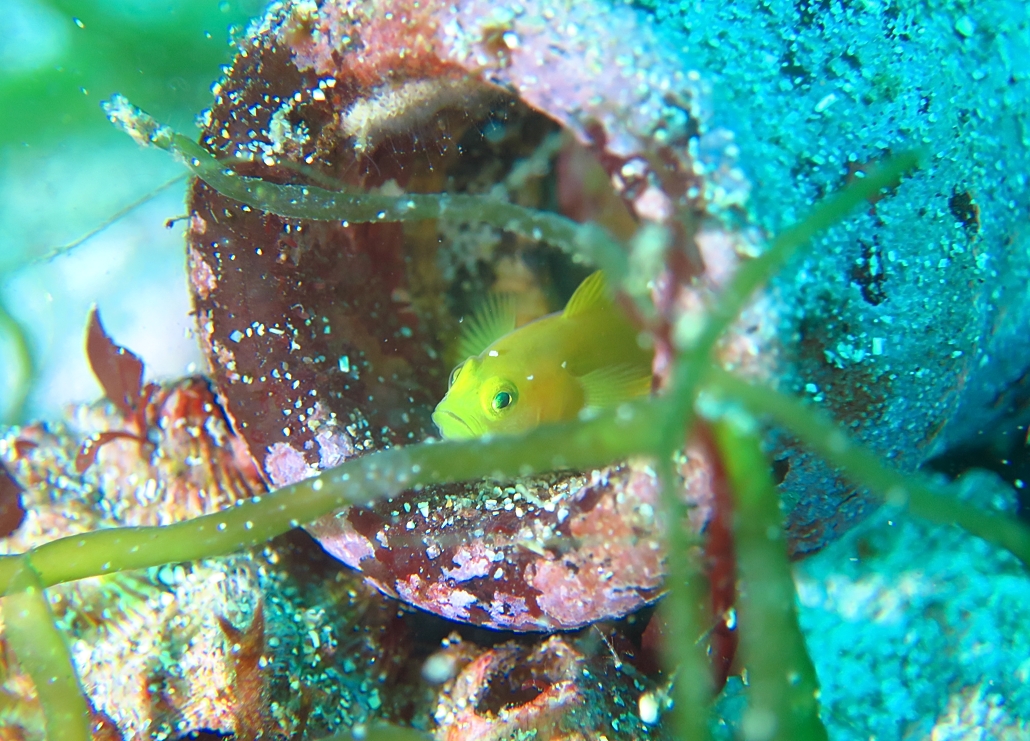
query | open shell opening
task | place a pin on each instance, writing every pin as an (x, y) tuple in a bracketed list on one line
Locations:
[(330, 339)]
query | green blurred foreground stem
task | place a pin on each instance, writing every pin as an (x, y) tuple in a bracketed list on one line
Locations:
[(783, 695), (41, 649), (21, 365), (684, 611), (612, 436), (681, 608), (694, 359), (911, 491)]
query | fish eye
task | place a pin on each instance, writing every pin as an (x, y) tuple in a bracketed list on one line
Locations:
[(454, 374), (502, 400)]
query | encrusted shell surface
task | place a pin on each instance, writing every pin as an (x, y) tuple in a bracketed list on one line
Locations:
[(331, 339), (548, 553)]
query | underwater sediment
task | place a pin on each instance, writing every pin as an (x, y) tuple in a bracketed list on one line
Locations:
[(328, 340)]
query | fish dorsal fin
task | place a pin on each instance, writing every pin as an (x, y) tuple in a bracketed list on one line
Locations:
[(592, 294), (492, 319), (614, 384)]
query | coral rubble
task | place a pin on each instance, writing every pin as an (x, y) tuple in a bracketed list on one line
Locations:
[(279, 641)]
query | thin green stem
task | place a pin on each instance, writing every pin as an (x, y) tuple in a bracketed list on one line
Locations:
[(43, 654), (682, 610), (693, 360), (22, 365), (753, 274), (865, 468), (783, 696), (610, 436), (112, 219), (587, 241)]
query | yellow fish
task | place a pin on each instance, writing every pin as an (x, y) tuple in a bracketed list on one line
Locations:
[(549, 370)]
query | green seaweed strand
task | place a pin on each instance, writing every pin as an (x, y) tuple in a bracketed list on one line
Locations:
[(692, 363), (23, 365), (911, 491), (693, 360), (684, 611), (611, 436), (42, 652), (783, 690), (583, 241)]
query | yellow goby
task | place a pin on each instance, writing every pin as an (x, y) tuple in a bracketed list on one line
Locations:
[(549, 370)]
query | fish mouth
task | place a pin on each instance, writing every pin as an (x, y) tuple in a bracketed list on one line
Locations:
[(448, 418)]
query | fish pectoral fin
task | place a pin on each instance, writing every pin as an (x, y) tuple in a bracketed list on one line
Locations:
[(614, 384), (491, 320), (591, 295)]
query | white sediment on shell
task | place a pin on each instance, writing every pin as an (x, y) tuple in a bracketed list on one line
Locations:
[(282, 134), (393, 109)]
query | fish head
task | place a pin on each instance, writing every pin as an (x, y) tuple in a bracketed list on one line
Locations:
[(483, 399)]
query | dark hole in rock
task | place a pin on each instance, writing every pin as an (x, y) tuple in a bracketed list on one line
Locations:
[(965, 210), (519, 679)]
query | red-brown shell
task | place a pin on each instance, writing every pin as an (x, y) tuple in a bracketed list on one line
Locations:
[(329, 339)]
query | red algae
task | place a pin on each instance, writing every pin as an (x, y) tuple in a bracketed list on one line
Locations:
[(154, 649), (12, 513)]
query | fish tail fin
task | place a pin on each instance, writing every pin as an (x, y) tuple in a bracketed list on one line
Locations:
[(491, 320), (615, 384), (591, 294)]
